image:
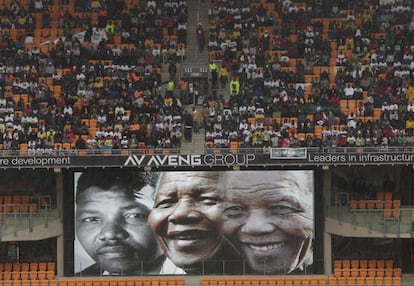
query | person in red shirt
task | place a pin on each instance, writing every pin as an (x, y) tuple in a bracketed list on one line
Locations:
[(200, 37)]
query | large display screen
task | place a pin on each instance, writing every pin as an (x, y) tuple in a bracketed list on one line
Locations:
[(131, 222)]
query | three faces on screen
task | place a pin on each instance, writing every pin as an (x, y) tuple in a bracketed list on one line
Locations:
[(265, 217)]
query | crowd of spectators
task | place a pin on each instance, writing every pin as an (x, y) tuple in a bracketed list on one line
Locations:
[(312, 73), (86, 74)]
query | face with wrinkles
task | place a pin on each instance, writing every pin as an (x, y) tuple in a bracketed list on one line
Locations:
[(112, 228), (186, 215), (268, 218)]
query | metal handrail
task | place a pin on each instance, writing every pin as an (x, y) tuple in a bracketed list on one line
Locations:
[(182, 151)]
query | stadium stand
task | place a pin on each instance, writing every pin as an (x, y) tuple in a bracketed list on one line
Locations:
[(85, 72), (300, 61)]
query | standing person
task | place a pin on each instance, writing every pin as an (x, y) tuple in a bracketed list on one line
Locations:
[(212, 67), (185, 220), (200, 37), (234, 86), (223, 76), (268, 218), (112, 207), (196, 120), (188, 126), (172, 70), (184, 91)]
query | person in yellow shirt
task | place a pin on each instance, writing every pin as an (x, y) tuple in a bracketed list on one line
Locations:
[(110, 29), (409, 93), (234, 86), (223, 76), (213, 72)]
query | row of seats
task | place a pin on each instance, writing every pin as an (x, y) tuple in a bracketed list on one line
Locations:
[(18, 208), (302, 280), (364, 263), (383, 196), (15, 199), (222, 281), (29, 282), (100, 281), (390, 208), (27, 275), (366, 281), (27, 266), (364, 272), (374, 204), (274, 280)]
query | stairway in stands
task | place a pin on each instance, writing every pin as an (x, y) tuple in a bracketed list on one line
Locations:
[(197, 13)]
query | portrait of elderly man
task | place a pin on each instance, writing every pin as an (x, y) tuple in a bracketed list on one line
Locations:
[(112, 207), (186, 220), (268, 219)]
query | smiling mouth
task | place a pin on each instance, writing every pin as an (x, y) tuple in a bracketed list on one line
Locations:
[(189, 235), (267, 246)]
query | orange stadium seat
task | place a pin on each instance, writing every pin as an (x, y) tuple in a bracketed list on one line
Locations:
[(41, 275), (397, 281), (379, 280), (363, 263), (369, 281), (332, 280), (360, 281), (363, 272), (51, 266), (7, 275), (380, 272), (323, 280), (105, 282), (355, 272), (372, 263), (362, 204), (130, 282), (341, 281), (389, 272), (33, 274), (346, 272), (16, 275), (397, 272)]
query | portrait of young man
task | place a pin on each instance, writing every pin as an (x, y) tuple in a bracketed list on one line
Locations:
[(268, 219), (186, 220), (112, 208)]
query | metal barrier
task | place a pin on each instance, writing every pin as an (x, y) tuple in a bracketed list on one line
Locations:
[(178, 151)]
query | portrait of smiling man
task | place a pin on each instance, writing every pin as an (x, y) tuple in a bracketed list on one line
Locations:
[(268, 219), (185, 219), (112, 207)]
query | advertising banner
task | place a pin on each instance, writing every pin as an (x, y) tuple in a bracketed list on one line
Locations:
[(131, 222), (277, 157)]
